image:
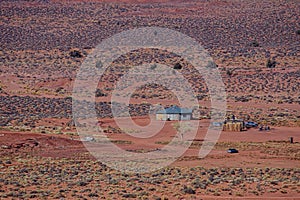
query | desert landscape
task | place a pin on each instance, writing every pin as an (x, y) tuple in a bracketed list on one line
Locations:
[(255, 47)]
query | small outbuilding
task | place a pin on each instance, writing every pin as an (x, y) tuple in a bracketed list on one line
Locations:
[(174, 113), (235, 125)]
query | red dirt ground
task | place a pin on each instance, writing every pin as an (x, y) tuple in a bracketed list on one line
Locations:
[(257, 150), (68, 146)]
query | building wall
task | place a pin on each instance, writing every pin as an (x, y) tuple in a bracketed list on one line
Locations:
[(173, 117), (186, 117), (166, 116), (160, 117)]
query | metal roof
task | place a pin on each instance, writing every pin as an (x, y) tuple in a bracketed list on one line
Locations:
[(175, 110)]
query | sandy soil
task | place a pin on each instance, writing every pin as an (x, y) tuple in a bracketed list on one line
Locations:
[(257, 150)]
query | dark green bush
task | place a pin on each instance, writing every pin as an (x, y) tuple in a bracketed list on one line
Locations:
[(99, 93), (188, 190), (271, 63), (254, 43), (76, 54), (177, 66)]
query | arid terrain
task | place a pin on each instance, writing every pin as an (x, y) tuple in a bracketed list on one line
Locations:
[(255, 46)]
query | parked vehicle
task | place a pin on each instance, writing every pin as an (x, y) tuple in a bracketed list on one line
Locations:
[(251, 124), (232, 151)]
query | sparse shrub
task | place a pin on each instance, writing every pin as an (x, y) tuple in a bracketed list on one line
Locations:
[(86, 190), (198, 184), (99, 93), (68, 98), (217, 194), (59, 196), (271, 63), (76, 54), (229, 72), (59, 90), (93, 194), (82, 183), (143, 193), (254, 43), (211, 65), (129, 195), (188, 190), (99, 64), (32, 196), (283, 191), (239, 194), (138, 189), (156, 198), (177, 66), (113, 181), (254, 192), (154, 66)]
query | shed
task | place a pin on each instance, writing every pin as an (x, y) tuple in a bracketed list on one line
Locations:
[(234, 125), (174, 113)]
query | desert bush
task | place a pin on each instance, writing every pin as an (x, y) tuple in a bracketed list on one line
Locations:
[(156, 198), (99, 64), (177, 66), (239, 194), (216, 194), (76, 54), (121, 142), (211, 65), (283, 191), (254, 43), (82, 183), (271, 63), (229, 72), (99, 93), (154, 66), (93, 194), (198, 184), (59, 90), (129, 195), (188, 190)]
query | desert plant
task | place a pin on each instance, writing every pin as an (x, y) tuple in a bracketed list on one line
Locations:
[(93, 194), (82, 183), (76, 54), (188, 190), (271, 63), (229, 72), (99, 93), (59, 90), (99, 64), (129, 195), (254, 43), (177, 66), (154, 66), (211, 65)]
